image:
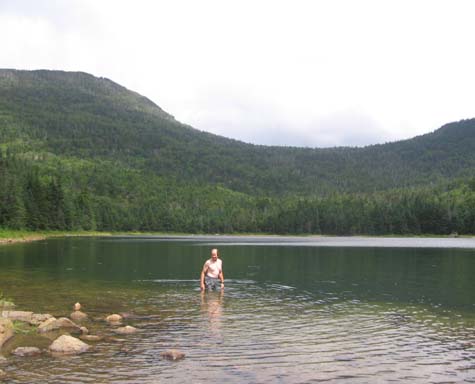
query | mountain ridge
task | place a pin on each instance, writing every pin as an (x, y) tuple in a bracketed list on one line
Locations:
[(79, 115)]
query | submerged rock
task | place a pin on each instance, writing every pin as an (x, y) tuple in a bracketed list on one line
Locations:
[(68, 345), (115, 318), (3, 360), (6, 330), (78, 316), (26, 351), (3, 374), (172, 354), (84, 330), (91, 337), (126, 330)]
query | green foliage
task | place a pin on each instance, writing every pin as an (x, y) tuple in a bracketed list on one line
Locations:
[(23, 328), (5, 303), (82, 153)]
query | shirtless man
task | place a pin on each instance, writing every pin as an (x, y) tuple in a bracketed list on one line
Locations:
[(212, 272)]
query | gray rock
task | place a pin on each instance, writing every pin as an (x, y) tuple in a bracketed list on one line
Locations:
[(68, 345), (6, 330), (172, 354), (26, 351), (126, 330)]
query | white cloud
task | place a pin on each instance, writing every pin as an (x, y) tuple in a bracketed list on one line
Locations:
[(315, 73)]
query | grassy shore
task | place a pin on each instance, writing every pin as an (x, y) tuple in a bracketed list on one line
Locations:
[(8, 236)]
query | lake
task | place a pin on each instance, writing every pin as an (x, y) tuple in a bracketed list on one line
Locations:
[(294, 310)]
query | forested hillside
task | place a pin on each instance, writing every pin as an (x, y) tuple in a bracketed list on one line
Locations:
[(79, 152)]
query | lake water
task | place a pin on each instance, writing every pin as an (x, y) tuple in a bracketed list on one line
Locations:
[(294, 310)]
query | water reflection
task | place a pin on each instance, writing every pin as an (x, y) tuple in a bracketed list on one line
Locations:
[(212, 312)]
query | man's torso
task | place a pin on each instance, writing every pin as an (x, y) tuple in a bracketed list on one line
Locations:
[(214, 268)]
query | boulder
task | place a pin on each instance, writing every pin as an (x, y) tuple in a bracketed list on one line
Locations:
[(6, 330), (38, 318), (77, 307), (115, 318), (78, 316), (125, 330), (18, 315), (172, 354), (47, 325), (53, 324), (91, 337), (26, 351), (66, 344), (64, 322)]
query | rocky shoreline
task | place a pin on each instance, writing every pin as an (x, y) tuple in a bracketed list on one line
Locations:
[(64, 335)]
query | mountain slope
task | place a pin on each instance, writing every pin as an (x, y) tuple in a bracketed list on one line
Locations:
[(75, 115)]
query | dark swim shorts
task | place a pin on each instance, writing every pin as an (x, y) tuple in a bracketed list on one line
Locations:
[(212, 283)]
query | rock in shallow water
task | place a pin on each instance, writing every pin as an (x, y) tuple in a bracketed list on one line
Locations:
[(126, 330), (115, 318), (78, 316), (172, 354), (91, 337), (26, 351), (38, 318), (18, 315), (53, 324), (68, 345)]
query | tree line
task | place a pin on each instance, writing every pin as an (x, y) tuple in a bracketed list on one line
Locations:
[(81, 195)]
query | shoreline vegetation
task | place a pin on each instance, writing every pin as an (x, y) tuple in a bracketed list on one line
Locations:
[(16, 236)]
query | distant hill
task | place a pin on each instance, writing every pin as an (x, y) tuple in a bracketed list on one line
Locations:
[(73, 114), (80, 152)]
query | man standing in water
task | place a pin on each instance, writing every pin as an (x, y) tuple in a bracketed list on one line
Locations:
[(212, 272)]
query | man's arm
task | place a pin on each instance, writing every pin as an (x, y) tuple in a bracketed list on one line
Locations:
[(202, 277), (221, 277)]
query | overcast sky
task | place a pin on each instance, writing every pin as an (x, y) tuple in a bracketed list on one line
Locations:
[(302, 73)]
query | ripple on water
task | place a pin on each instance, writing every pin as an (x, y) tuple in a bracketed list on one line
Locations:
[(268, 333)]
